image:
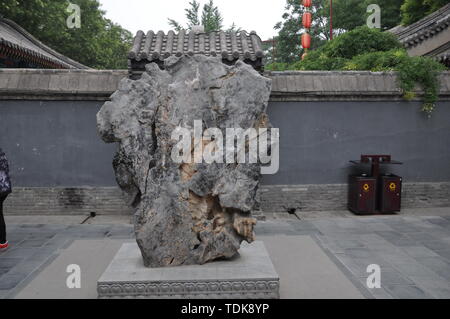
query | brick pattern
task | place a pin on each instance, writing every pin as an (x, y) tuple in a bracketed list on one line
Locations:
[(343, 86), (413, 251), (274, 199), (62, 201), (43, 84), (285, 198), (286, 85)]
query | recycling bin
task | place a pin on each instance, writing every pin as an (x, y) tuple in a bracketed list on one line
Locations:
[(377, 192), (389, 193), (362, 195)]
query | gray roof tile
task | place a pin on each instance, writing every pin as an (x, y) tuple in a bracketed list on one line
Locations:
[(228, 45), (12, 36), (425, 28)]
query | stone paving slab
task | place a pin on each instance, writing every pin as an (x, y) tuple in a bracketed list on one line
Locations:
[(307, 273), (44, 220), (413, 250), (92, 256), (305, 270), (33, 246)]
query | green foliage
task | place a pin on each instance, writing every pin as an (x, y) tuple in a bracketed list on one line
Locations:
[(99, 43), (211, 18), (276, 66), (360, 40), (192, 13), (414, 10), (288, 48), (372, 50), (422, 71), (319, 61), (347, 15), (390, 12), (377, 61), (350, 14), (335, 54), (412, 71), (175, 25)]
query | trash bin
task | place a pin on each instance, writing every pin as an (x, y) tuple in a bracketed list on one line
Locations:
[(362, 194), (389, 193), (368, 194)]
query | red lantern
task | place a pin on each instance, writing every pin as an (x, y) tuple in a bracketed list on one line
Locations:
[(307, 3), (307, 20), (306, 41)]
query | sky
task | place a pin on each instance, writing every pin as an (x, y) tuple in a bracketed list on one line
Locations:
[(134, 15)]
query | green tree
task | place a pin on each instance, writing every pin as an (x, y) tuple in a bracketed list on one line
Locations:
[(211, 18), (390, 12), (347, 15), (99, 43), (334, 55), (191, 16), (414, 10), (288, 48), (350, 14)]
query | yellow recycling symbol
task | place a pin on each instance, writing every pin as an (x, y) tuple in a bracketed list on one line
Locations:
[(366, 187), (392, 187)]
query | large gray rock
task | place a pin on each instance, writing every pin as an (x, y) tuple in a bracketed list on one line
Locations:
[(186, 213)]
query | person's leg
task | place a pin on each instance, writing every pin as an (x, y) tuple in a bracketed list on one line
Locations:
[(2, 222)]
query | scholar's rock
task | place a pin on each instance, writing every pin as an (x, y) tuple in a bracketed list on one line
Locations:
[(189, 212)]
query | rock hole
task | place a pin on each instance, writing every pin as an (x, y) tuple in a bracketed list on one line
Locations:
[(136, 199), (154, 137)]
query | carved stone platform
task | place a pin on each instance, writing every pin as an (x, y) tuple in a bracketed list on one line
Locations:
[(249, 275)]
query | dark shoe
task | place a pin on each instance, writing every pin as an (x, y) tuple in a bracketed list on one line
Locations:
[(4, 246)]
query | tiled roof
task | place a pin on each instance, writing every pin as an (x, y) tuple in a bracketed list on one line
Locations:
[(16, 41), (425, 28), (231, 46), (444, 58)]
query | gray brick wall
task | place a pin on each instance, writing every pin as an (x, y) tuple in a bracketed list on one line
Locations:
[(71, 88), (65, 201), (326, 197), (274, 199)]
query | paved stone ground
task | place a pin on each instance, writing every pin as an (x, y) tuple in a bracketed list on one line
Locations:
[(413, 251)]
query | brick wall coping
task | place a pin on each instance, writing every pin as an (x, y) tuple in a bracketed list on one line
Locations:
[(286, 86)]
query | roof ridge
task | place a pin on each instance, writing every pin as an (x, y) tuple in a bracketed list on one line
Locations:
[(423, 25), (42, 46)]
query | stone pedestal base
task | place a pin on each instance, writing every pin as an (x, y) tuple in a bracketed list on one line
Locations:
[(249, 275)]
